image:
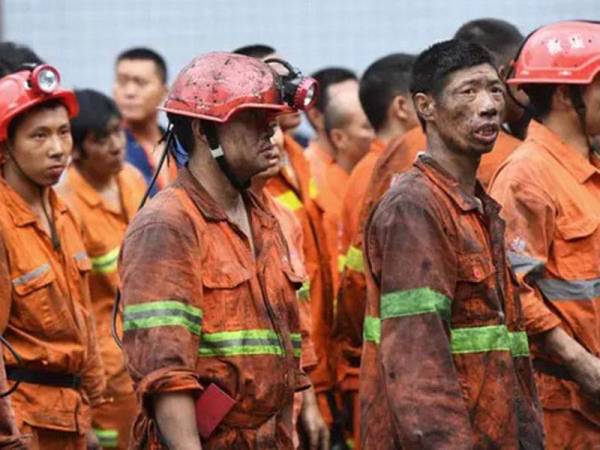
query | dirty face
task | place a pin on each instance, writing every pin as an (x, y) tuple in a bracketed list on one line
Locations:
[(246, 142), (103, 154), (469, 111), (41, 145)]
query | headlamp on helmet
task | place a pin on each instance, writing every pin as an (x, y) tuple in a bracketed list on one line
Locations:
[(44, 79), (297, 91)]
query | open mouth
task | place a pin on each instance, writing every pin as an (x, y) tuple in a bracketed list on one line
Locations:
[(487, 133)]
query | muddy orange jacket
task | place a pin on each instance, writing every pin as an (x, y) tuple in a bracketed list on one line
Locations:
[(10, 438), (551, 203), (293, 189), (46, 314), (331, 182), (200, 308), (348, 328), (446, 360), (103, 228)]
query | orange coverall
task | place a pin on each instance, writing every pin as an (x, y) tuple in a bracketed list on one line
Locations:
[(293, 188), (103, 228), (397, 158), (446, 359), (201, 308), (331, 181), (550, 198), (10, 438), (47, 317)]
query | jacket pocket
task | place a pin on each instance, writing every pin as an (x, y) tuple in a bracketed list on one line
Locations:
[(474, 268), (33, 305), (571, 228)]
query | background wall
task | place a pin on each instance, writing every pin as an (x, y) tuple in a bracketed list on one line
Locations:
[(82, 37)]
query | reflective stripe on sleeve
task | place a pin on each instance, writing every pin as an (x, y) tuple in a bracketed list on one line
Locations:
[(524, 264), (297, 344), (372, 329), (289, 200), (519, 344), (107, 438), (413, 302), (106, 263), (491, 338), (240, 343), (304, 292), (569, 289), (162, 313), (355, 260)]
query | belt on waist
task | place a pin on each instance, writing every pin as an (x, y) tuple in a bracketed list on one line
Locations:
[(552, 369), (43, 377)]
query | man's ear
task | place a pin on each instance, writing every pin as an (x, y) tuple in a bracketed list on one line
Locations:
[(401, 108), (337, 137), (424, 106), (198, 131), (561, 99)]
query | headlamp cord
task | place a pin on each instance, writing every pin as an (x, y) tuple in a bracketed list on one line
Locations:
[(168, 137), (19, 361)]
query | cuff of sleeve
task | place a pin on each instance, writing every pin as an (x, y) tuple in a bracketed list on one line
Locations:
[(544, 320), (167, 380)]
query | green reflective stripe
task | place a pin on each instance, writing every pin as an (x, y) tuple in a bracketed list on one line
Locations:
[(519, 344), (297, 344), (240, 343), (413, 302), (304, 292), (162, 313), (289, 200), (355, 260), (480, 339), (106, 263), (107, 438), (372, 329), (341, 263), (313, 190)]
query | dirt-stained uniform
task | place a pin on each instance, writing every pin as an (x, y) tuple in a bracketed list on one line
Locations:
[(446, 359), (200, 308)]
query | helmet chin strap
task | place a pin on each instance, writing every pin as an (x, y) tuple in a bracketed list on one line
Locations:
[(580, 108), (53, 233), (210, 131)]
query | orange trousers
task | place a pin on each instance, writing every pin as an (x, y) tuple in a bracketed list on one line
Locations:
[(112, 421), (567, 429), (44, 439)]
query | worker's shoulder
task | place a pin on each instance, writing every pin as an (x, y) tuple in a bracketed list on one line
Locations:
[(412, 189), (167, 210)]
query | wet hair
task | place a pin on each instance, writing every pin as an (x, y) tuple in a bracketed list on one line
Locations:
[(328, 77), (383, 80), (18, 120), (145, 54), (14, 56), (434, 65), (95, 111), (502, 39), (258, 51)]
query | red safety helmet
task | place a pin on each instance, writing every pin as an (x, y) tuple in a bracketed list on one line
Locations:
[(23, 90), (561, 53), (217, 85)]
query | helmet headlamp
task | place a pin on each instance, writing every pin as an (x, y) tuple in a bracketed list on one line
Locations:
[(45, 78), (297, 91)]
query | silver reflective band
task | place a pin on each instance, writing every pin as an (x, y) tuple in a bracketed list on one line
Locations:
[(524, 264), (569, 290), (31, 275)]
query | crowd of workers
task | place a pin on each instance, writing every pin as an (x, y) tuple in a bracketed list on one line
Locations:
[(423, 273)]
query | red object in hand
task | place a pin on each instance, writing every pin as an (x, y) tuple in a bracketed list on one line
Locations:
[(211, 408)]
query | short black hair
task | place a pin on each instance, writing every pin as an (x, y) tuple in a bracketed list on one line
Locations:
[(540, 99), (13, 56), (258, 51), (18, 120), (434, 65), (502, 39), (95, 111), (146, 54), (383, 80), (327, 77), (182, 128)]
